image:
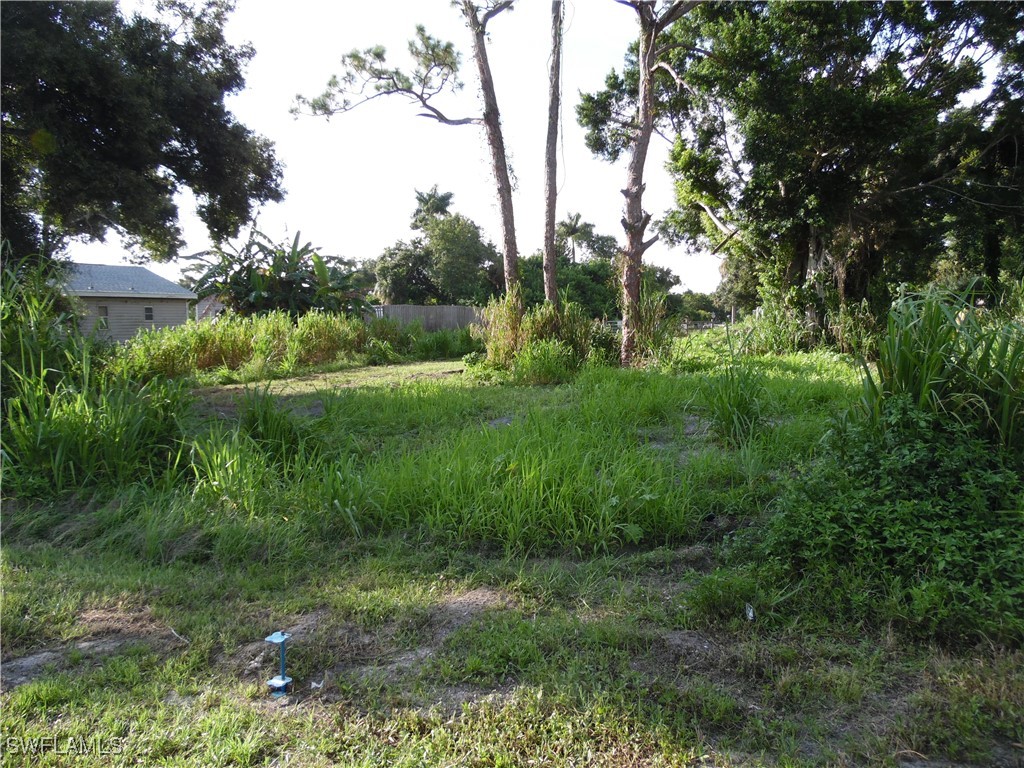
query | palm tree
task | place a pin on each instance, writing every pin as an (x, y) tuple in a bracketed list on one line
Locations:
[(430, 205), (567, 231)]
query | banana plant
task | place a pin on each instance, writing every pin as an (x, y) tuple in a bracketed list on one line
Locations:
[(261, 276)]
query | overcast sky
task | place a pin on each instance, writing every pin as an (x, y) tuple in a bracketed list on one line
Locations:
[(350, 181)]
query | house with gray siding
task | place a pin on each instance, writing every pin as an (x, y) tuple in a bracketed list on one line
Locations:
[(119, 300)]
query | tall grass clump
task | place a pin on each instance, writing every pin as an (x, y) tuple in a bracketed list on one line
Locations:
[(538, 485), (500, 329), (273, 344), (225, 343), (653, 331), (275, 429), (88, 433), (321, 337), (544, 361), (780, 324), (854, 330), (579, 479), (547, 344), (68, 424), (952, 360), (39, 334), (445, 344), (733, 399)]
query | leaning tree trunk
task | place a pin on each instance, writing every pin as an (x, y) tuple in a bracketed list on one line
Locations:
[(550, 156), (495, 139)]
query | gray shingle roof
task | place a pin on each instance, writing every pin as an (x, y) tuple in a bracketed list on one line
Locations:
[(105, 280)]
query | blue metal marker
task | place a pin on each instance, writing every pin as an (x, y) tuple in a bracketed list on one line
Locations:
[(279, 685)]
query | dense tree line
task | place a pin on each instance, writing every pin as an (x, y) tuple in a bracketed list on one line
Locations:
[(449, 262)]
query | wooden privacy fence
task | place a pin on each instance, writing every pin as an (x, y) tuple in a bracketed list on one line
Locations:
[(433, 317)]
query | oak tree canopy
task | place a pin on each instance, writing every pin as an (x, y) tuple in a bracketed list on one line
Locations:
[(106, 117)]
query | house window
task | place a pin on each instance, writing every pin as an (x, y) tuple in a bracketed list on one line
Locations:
[(149, 312), (101, 322)]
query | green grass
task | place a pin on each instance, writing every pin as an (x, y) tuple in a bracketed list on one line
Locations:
[(479, 575), (565, 666)]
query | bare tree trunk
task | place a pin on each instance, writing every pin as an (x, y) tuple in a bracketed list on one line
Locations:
[(635, 219), (495, 139), (550, 156)]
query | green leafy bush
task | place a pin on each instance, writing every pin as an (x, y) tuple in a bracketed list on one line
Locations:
[(915, 521)]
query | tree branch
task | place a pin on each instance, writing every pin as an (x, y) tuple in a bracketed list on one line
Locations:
[(721, 225), (675, 12), (435, 114), (494, 11)]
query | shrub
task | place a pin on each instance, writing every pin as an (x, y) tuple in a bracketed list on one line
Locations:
[(500, 329), (914, 520)]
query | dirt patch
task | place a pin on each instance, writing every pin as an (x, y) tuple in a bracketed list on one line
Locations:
[(356, 655), (459, 610), (685, 652), (345, 642), (447, 616), (676, 574), (437, 374), (116, 621), (108, 631), (695, 557)]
